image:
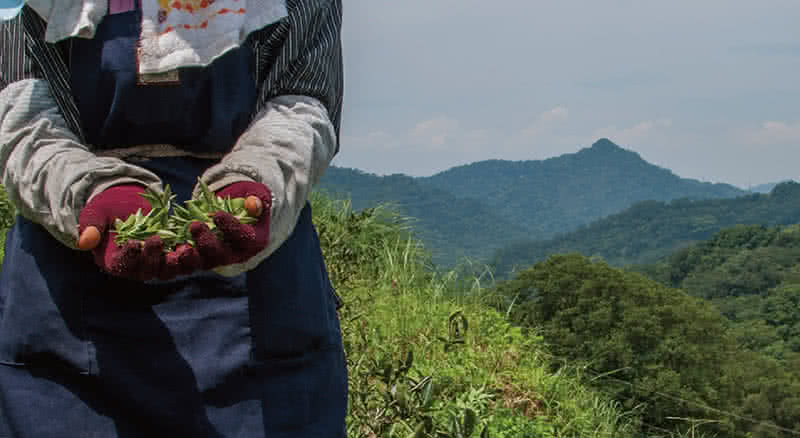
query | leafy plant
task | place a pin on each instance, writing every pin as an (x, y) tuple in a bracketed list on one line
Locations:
[(423, 349), (174, 229)]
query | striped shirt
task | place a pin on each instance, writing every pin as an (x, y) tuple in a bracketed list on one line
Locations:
[(299, 55)]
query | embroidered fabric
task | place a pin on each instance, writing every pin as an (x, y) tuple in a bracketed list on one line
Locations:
[(174, 34)]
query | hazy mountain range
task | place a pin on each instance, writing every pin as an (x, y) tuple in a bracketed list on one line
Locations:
[(765, 188), (474, 210), (651, 230)]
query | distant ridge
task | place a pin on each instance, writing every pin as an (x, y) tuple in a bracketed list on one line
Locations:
[(765, 188), (651, 230), (559, 194), (475, 209)]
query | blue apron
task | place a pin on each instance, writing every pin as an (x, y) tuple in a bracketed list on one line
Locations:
[(84, 354)]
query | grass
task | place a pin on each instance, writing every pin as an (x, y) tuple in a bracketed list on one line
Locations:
[(468, 356)]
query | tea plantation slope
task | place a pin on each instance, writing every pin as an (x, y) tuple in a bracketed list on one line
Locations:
[(423, 349)]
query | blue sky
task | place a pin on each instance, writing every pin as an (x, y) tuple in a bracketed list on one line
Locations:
[(709, 89)]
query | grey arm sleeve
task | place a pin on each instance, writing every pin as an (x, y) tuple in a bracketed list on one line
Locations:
[(48, 174), (287, 148)]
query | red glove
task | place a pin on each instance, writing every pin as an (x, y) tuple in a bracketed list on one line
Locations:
[(239, 244), (133, 259)]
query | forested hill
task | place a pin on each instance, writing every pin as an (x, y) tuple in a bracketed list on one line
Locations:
[(650, 230), (471, 211), (559, 194), (765, 188), (752, 274), (451, 228)]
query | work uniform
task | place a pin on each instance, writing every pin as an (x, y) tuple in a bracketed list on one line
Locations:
[(256, 354)]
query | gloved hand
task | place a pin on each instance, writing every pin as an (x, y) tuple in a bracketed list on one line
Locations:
[(238, 247), (135, 259)]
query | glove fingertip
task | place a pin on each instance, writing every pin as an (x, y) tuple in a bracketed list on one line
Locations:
[(153, 246), (188, 259), (126, 260), (198, 229), (236, 233), (91, 218), (226, 221)]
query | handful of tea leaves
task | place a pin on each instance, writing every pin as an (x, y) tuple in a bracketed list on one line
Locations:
[(174, 228)]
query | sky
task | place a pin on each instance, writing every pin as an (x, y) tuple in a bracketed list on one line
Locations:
[(708, 89)]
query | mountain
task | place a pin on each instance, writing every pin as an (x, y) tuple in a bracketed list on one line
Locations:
[(451, 228), (559, 194), (650, 230), (764, 188), (473, 210)]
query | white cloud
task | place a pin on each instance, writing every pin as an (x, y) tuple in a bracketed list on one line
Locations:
[(380, 140), (423, 148), (775, 132), (435, 132), (545, 121), (556, 114), (634, 134)]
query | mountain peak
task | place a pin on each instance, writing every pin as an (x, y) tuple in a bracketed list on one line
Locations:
[(605, 144)]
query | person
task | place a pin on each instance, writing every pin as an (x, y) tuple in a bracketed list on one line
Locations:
[(233, 334)]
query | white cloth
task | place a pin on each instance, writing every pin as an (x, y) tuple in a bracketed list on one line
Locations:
[(70, 18), (175, 33)]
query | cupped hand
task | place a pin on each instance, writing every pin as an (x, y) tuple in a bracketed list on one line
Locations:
[(135, 259), (235, 243)]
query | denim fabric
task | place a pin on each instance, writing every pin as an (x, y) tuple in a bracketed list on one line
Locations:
[(205, 112), (258, 355)]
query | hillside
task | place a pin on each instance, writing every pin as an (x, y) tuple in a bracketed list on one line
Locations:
[(764, 188), (559, 194), (651, 230), (451, 228), (471, 211), (672, 354), (752, 274)]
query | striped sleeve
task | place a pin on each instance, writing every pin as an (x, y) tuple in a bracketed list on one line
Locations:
[(24, 54), (15, 65), (302, 55)]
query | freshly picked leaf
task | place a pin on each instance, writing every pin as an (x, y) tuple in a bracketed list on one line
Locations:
[(171, 222)]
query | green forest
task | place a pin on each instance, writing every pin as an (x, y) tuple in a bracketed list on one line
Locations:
[(453, 228), (651, 230), (470, 212), (663, 350)]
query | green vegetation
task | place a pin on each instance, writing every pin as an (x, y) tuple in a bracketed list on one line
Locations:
[(410, 332), (557, 195), (452, 228), (674, 355), (7, 214), (766, 188), (651, 230), (471, 211), (752, 274), (171, 221)]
